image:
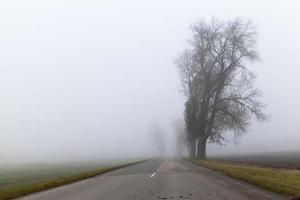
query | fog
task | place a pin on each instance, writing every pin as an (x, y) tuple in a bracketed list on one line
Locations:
[(87, 80)]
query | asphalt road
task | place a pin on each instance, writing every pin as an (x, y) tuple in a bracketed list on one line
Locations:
[(158, 179)]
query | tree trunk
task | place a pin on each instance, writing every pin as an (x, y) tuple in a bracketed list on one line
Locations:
[(193, 149), (201, 150)]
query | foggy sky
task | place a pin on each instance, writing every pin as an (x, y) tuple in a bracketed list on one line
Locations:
[(84, 80)]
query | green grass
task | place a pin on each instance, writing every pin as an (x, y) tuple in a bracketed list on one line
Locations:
[(276, 180), (16, 181)]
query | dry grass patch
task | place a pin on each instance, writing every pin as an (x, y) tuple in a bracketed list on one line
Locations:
[(276, 180)]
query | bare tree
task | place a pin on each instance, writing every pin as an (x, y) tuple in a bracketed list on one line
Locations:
[(217, 83), (180, 134)]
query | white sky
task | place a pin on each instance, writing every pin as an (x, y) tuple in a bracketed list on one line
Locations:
[(85, 79)]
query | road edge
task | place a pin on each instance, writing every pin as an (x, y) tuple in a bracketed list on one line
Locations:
[(18, 193), (241, 178)]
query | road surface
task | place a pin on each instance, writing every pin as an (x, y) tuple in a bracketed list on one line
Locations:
[(158, 179)]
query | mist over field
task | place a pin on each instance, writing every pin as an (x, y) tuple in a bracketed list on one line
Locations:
[(96, 80)]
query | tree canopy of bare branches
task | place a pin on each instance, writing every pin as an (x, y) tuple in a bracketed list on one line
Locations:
[(217, 82)]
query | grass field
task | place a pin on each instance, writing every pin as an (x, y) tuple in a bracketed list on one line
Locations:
[(289, 160), (19, 180), (284, 181)]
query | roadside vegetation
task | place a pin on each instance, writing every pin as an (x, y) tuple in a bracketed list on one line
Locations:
[(218, 83), (284, 181), (16, 181)]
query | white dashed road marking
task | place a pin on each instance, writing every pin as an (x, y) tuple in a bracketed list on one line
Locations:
[(152, 175)]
